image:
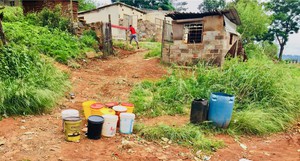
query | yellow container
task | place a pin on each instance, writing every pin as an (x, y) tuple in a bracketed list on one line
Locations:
[(107, 111), (72, 128), (129, 106), (87, 108), (96, 109)]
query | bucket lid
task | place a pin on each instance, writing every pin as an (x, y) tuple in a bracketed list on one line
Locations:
[(68, 112), (127, 115), (127, 104), (72, 119), (120, 108), (110, 117), (111, 104), (88, 102), (97, 105), (96, 119)]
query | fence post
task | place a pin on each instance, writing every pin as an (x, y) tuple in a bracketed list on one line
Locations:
[(163, 38), (110, 43)]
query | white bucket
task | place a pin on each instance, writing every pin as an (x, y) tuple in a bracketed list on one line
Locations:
[(68, 113), (110, 125), (126, 122)]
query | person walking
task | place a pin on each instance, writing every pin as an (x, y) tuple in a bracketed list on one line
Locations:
[(133, 35)]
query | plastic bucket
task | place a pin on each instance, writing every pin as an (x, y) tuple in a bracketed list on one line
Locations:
[(110, 125), (199, 111), (119, 110), (111, 104), (126, 123), (68, 113), (129, 106), (72, 128), (95, 124), (220, 109), (87, 108), (107, 111), (95, 109)]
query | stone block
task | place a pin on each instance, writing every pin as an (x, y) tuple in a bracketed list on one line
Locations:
[(219, 47), (214, 51), (184, 50), (219, 37), (183, 46)]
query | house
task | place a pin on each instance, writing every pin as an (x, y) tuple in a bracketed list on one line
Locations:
[(121, 15), (9, 2), (208, 36), (38, 5)]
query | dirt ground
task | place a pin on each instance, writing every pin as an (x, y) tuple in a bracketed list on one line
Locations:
[(41, 137)]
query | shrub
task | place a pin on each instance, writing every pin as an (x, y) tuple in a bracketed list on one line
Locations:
[(12, 14), (267, 94), (28, 83)]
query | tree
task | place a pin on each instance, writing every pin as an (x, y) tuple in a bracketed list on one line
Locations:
[(149, 4), (285, 21), (210, 5), (254, 20), (84, 5), (179, 6)]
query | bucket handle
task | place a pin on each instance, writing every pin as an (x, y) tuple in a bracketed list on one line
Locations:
[(231, 100), (214, 98)]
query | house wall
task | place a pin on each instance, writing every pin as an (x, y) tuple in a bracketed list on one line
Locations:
[(213, 48)]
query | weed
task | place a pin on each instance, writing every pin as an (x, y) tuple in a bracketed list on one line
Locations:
[(154, 47)]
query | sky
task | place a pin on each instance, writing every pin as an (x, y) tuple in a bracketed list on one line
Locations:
[(292, 47)]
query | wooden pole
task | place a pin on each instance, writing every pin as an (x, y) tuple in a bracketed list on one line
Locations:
[(163, 38), (110, 36)]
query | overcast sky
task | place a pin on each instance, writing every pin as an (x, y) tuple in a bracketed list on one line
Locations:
[(292, 47)]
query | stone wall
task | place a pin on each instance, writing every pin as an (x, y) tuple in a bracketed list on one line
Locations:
[(147, 30), (213, 48)]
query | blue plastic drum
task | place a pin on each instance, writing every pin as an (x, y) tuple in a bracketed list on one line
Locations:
[(220, 109)]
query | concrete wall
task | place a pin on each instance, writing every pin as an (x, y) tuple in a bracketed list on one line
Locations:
[(213, 48)]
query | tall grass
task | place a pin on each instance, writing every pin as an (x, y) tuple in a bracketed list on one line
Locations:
[(154, 47), (267, 94), (29, 84), (189, 136)]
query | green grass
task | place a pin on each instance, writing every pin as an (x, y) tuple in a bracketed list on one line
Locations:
[(267, 94), (29, 84), (123, 45), (189, 136), (154, 47)]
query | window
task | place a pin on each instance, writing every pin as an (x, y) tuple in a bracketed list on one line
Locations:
[(231, 37), (193, 33), (12, 3)]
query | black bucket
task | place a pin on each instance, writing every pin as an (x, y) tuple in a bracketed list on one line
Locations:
[(199, 111), (95, 124)]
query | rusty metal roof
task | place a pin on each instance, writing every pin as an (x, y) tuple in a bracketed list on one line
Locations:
[(231, 14)]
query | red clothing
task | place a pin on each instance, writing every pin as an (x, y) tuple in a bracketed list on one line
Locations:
[(132, 30)]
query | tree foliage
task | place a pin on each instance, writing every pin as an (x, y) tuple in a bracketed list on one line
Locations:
[(254, 20), (179, 6), (210, 5), (149, 4), (285, 21), (84, 5)]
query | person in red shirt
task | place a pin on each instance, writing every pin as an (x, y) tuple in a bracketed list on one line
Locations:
[(133, 35)]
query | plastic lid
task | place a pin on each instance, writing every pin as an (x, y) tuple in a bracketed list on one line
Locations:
[(110, 117), (127, 104), (72, 119), (97, 105), (96, 119), (127, 115), (120, 108), (68, 112), (111, 104)]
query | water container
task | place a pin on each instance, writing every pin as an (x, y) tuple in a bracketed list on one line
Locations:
[(110, 125), (87, 108), (111, 104), (68, 113), (129, 106), (72, 127), (119, 110), (199, 111), (220, 109), (126, 123), (95, 108), (95, 124)]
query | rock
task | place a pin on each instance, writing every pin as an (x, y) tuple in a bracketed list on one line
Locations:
[(135, 76), (72, 95), (90, 54), (164, 139), (23, 121), (2, 141), (243, 146), (22, 127), (28, 133), (243, 159), (127, 144), (205, 158)]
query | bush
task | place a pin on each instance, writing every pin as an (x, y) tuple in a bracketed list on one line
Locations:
[(12, 14), (28, 83), (267, 94)]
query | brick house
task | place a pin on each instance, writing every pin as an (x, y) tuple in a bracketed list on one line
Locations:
[(208, 36)]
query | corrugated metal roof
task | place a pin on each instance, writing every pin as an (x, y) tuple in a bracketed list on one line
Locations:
[(116, 3), (231, 14)]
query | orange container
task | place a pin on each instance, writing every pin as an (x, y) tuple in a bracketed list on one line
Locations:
[(129, 106), (96, 109), (119, 110)]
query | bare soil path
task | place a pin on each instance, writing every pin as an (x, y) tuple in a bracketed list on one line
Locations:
[(41, 138)]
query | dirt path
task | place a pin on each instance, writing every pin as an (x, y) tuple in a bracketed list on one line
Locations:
[(41, 138)]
